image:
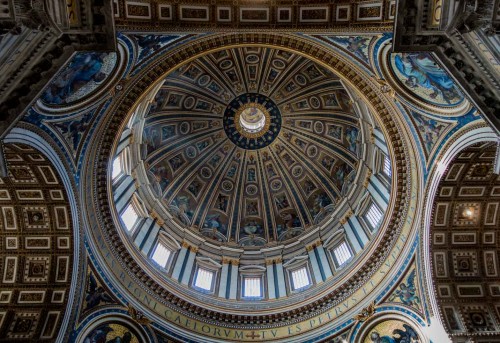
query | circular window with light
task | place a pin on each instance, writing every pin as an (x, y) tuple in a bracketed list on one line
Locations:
[(253, 118)]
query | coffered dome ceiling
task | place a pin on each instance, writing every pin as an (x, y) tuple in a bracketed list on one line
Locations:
[(251, 156), (252, 145), (254, 173), (263, 171)]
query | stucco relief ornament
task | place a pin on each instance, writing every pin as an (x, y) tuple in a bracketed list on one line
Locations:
[(366, 313), (490, 31), (138, 316), (217, 109), (385, 88)]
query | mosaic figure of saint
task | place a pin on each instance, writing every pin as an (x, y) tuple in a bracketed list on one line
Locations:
[(421, 70), (232, 171), (351, 135), (82, 69), (251, 175), (321, 200), (335, 131), (281, 202), (222, 202), (182, 203), (213, 222), (149, 44), (270, 170), (407, 335), (252, 228), (161, 176)]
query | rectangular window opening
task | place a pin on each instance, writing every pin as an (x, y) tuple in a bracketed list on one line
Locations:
[(129, 217), (117, 168), (161, 255), (300, 278), (342, 254), (252, 287), (204, 279), (387, 166), (374, 216)]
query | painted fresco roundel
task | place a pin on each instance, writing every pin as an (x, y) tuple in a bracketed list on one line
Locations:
[(251, 145)]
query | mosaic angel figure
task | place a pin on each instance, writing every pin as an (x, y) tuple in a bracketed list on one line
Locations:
[(407, 292), (356, 45), (95, 294)]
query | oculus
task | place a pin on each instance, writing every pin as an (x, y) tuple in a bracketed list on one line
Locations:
[(252, 121)]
